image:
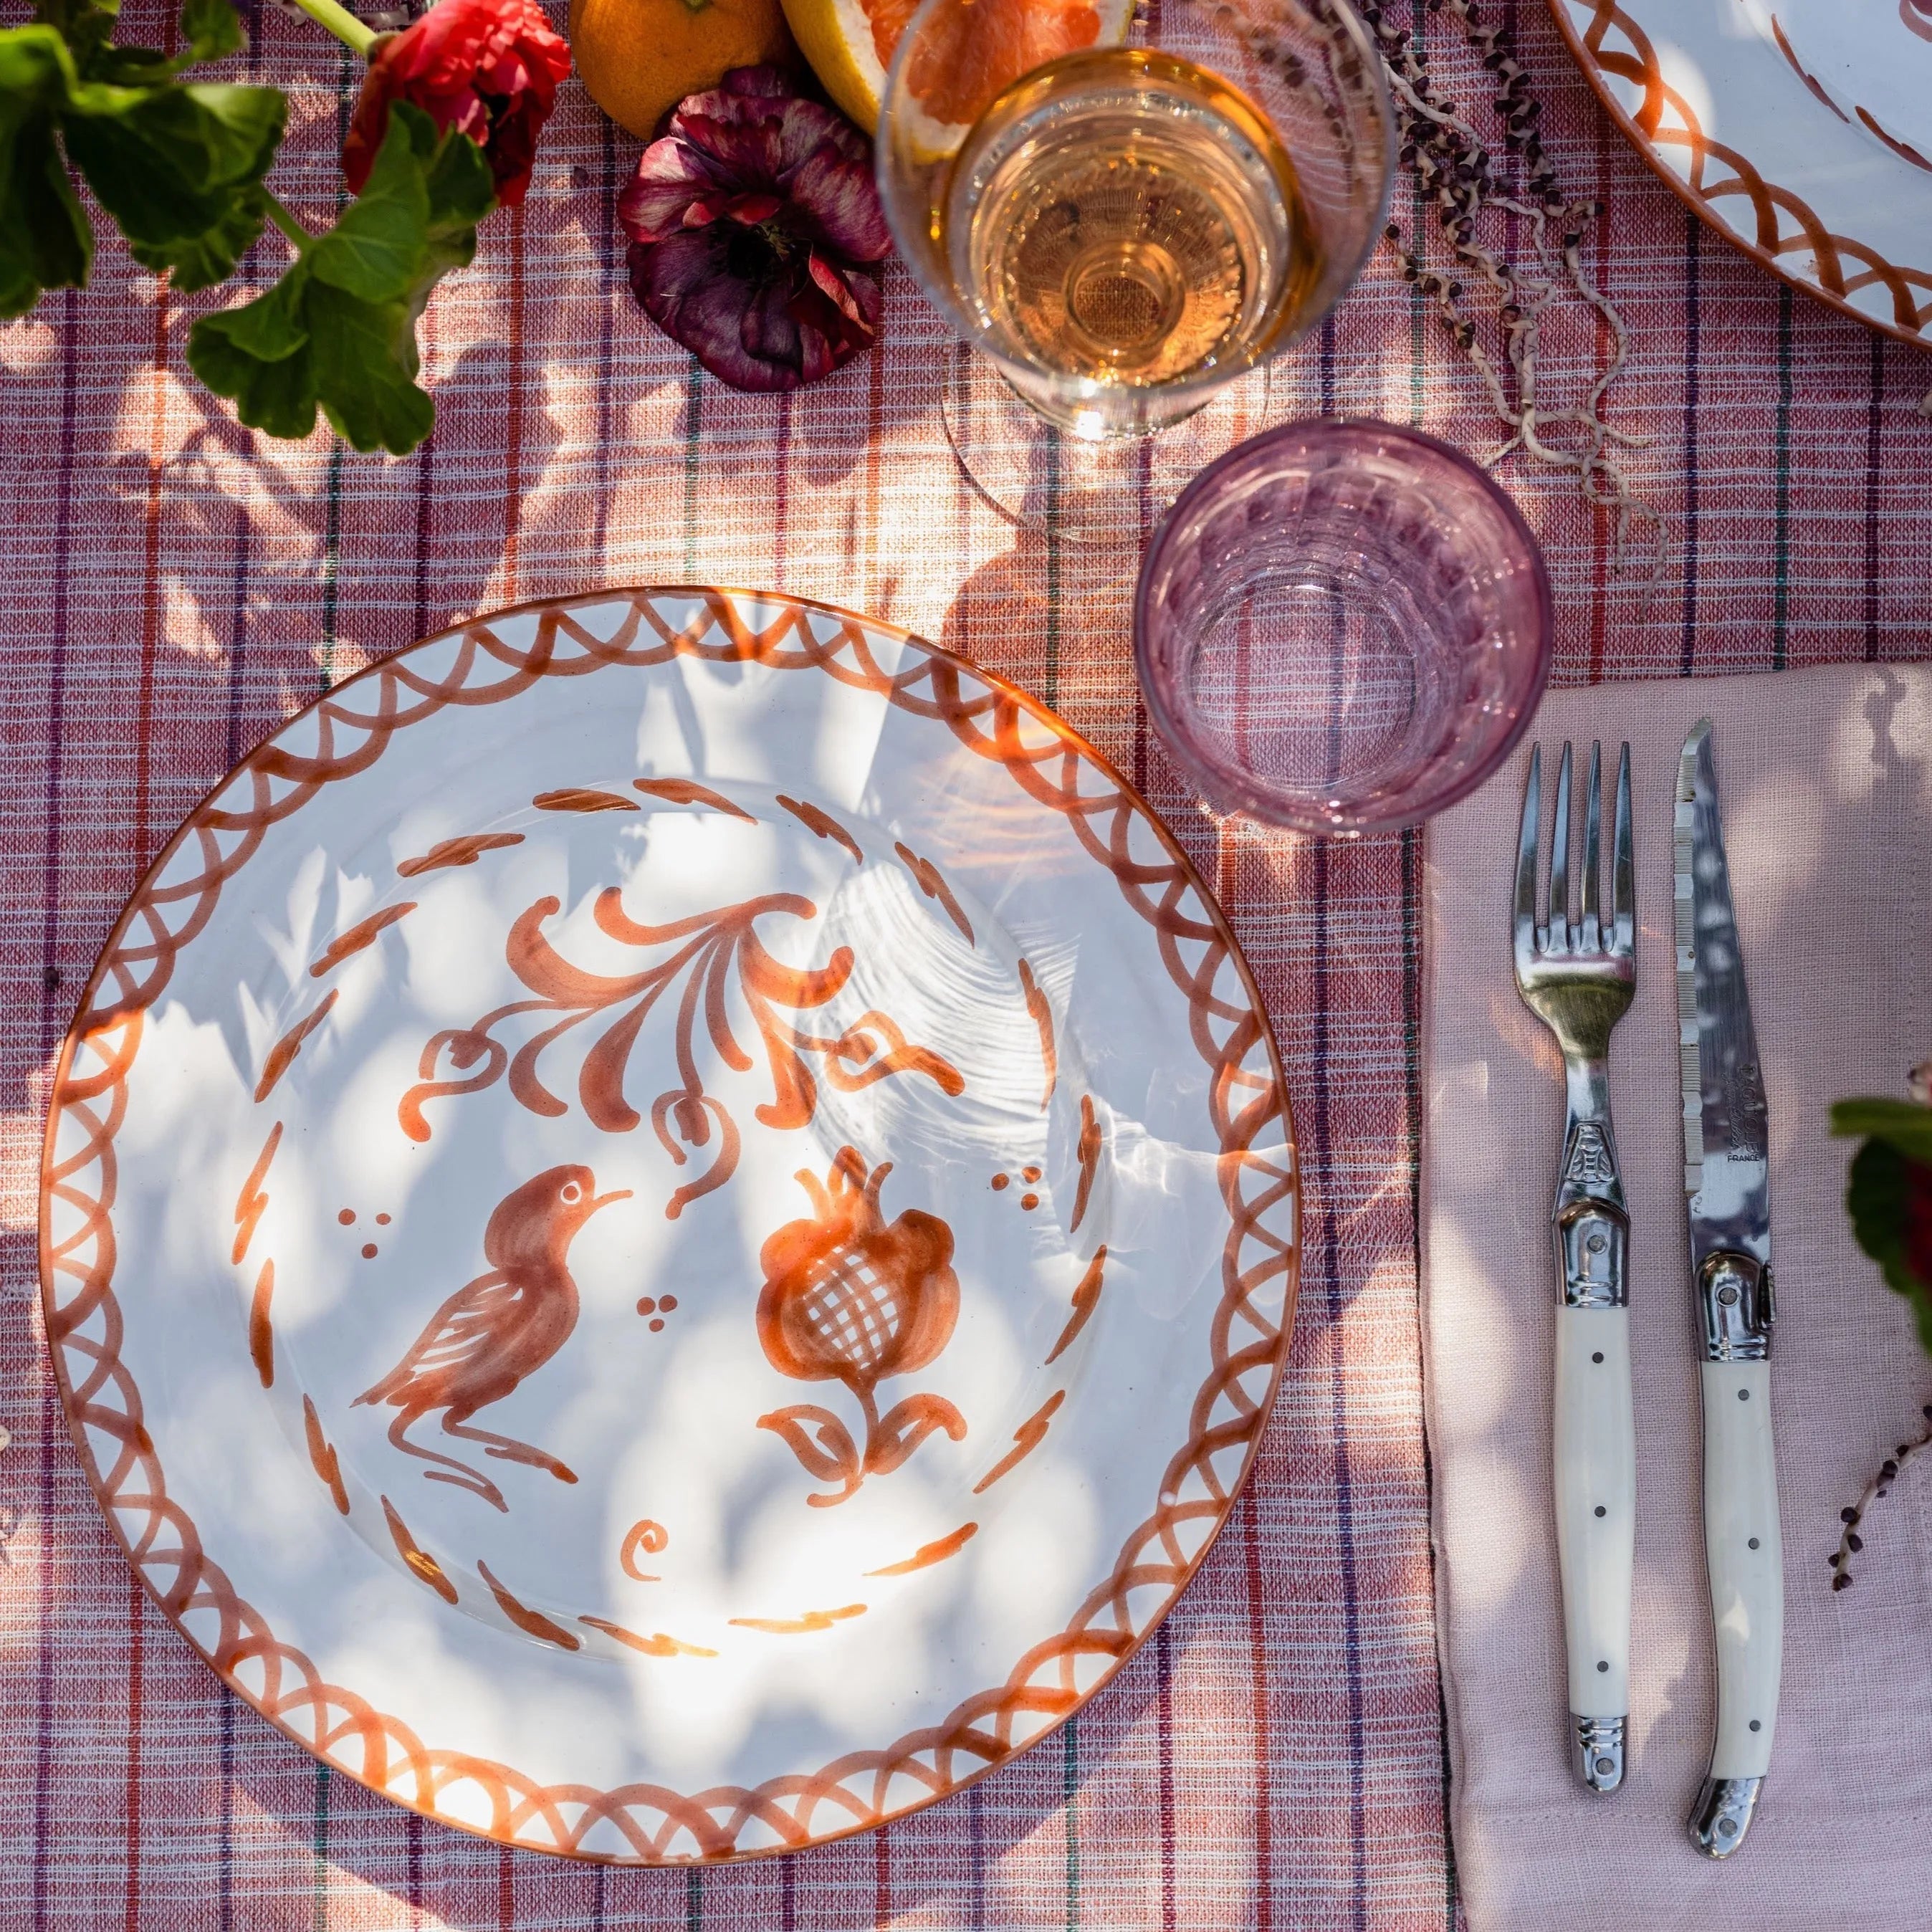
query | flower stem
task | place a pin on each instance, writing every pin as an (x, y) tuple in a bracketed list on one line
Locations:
[(287, 223), (342, 24)]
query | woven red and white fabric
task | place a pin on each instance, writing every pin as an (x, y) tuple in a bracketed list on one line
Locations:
[(1275, 1757)]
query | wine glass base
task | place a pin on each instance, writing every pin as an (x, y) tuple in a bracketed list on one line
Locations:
[(1045, 479)]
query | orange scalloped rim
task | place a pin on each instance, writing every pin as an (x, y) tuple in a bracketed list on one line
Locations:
[(1664, 119), (351, 726)]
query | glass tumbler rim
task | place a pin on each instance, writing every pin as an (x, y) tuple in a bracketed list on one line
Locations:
[(1235, 791), (909, 232)]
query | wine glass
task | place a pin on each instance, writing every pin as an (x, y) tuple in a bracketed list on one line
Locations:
[(1124, 211)]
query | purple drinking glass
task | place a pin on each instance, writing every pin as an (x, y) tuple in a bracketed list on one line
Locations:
[(1341, 627)]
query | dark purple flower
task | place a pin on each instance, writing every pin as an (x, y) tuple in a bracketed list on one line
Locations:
[(749, 222)]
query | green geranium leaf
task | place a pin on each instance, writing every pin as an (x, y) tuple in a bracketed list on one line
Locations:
[(171, 163), (379, 248), (338, 332), (273, 393), (84, 25), (206, 258), (365, 356), (462, 191), (271, 327), (37, 74), (177, 167), (212, 29), (45, 239)]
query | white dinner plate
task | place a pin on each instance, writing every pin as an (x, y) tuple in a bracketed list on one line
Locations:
[(669, 1224), (1752, 110)]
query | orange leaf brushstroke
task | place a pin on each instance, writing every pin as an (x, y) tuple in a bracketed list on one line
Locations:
[(934, 887), (1042, 1010), (261, 1337), (812, 1620), (1029, 1435), (649, 1536), (533, 1622), (1816, 91), (657, 1645), (821, 822), (358, 937), (1086, 1299), (328, 1465), (421, 1562), (254, 1198), (689, 791), (1900, 148), (580, 798), (463, 851), (281, 1055), (930, 1553), (1087, 1151)]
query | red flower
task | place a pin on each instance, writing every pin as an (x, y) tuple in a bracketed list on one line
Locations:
[(488, 68), (749, 222)]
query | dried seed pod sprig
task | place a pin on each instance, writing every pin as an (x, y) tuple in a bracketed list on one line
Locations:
[(1853, 1515), (1465, 183), (1889, 1196)]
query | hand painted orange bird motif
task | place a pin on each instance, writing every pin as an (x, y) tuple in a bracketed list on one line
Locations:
[(503, 1326)]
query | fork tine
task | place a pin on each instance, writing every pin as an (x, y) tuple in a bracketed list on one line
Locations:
[(1593, 815), (1559, 862), (1623, 873), (1526, 856)]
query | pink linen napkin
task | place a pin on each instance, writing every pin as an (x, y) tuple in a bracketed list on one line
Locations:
[(1825, 780)]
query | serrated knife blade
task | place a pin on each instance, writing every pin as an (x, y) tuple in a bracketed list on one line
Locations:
[(1727, 1142), (1727, 1200)]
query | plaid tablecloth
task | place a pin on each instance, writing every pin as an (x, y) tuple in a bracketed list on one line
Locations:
[(172, 586)]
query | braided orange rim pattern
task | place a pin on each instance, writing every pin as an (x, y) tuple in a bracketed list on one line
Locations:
[(351, 726), (1843, 266)]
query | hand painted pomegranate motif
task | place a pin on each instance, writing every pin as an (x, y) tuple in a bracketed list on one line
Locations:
[(849, 1298)]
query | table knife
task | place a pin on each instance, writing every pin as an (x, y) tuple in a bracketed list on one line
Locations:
[(1727, 1191)]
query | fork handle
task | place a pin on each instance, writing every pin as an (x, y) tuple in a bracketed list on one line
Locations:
[(1595, 1464)]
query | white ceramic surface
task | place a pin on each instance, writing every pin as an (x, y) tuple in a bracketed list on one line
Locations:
[(1747, 107), (699, 1215), (1872, 60)]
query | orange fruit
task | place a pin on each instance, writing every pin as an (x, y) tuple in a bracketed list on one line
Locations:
[(640, 58)]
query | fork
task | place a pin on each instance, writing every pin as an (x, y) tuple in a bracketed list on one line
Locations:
[(1578, 978)]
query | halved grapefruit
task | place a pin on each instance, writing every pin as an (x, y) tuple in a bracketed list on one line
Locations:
[(982, 50)]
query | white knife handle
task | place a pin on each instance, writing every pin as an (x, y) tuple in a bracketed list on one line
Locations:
[(1596, 1530), (1745, 1555)]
